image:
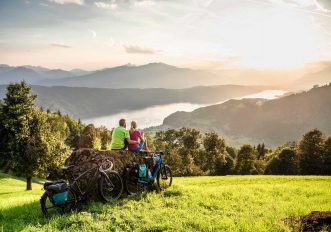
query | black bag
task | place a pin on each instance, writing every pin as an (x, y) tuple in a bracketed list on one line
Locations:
[(58, 191)]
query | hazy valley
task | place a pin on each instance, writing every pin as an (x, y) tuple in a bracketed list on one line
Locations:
[(258, 120)]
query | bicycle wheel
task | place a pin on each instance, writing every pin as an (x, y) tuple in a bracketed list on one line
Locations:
[(164, 177), (132, 185), (111, 188), (49, 209)]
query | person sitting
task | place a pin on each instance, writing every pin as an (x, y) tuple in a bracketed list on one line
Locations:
[(138, 136), (121, 138)]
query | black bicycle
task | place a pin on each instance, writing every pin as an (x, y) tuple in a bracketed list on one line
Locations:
[(61, 198), (139, 176)]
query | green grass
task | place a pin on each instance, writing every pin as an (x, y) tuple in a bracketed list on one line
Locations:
[(229, 203)]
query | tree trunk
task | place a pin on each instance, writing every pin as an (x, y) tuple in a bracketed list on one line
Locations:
[(6, 166), (29, 183)]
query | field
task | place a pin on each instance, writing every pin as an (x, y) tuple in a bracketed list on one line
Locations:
[(227, 203)]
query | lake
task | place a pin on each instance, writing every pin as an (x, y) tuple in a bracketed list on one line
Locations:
[(153, 116)]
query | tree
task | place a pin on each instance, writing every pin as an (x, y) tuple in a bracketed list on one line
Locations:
[(245, 160), (105, 137), (224, 165), (232, 152), (215, 153), (327, 157), (261, 151), (311, 153), (168, 142), (31, 144), (189, 149), (283, 163), (45, 151), (88, 137), (17, 113)]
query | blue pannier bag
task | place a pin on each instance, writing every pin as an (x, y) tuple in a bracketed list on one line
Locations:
[(60, 198), (142, 171), (58, 191)]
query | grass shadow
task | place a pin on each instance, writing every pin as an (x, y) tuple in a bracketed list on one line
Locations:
[(17, 218), (172, 193)]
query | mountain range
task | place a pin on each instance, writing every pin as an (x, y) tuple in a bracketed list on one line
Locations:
[(31, 74), (82, 102), (273, 122), (158, 75), (153, 75)]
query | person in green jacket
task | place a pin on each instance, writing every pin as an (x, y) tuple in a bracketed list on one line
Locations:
[(121, 137)]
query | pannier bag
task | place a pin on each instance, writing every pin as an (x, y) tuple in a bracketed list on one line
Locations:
[(142, 171), (58, 191)]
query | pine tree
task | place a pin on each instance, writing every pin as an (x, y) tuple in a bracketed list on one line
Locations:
[(17, 114)]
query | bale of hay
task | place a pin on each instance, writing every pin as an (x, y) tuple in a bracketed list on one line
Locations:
[(316, 221), (82, 160)]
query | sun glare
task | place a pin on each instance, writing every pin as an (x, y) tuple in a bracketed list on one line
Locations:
[(283, 40)]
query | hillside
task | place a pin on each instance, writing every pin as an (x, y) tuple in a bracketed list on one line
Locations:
[(92, 102), (8, 75), (320, 77), (153, 75), (32, 74), (255, 120), (223, 203)]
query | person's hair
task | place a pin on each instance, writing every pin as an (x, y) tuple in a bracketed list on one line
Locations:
[(134, 124), (122, 122)]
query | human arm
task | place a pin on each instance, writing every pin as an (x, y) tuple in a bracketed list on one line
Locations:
[(130, 141)]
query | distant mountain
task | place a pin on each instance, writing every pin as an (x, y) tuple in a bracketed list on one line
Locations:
[(80, 72), (153, 75), (4, 68), (321, 77), (38, 69), (57, 74), (255, 120), (31, 74), (94, 102), (19, 74)]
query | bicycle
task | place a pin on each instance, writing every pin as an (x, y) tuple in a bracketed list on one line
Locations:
[(135, 184), (110, 188)]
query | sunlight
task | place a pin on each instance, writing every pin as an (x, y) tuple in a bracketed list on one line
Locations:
[(283, 40)]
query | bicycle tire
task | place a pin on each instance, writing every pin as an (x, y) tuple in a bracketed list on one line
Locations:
[(110, 191), (50, 210), (132, 186), (164, 177)]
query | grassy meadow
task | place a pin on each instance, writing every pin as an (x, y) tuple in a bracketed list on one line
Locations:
[(224, 203)]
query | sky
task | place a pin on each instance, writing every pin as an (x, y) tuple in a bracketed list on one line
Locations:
[(203, 34)]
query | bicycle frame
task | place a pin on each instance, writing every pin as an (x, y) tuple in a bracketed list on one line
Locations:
[(151, 179), (77, 188)]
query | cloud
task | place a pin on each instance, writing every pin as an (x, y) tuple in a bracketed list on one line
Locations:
[(62, 2), (139, 50), (205, 3), (103, 5), (93, 33), (305, 4), (143, 3), (60, 45)]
